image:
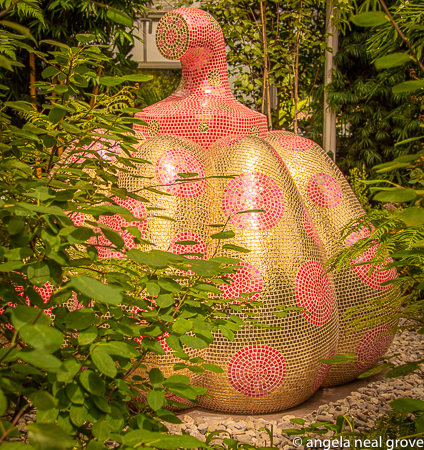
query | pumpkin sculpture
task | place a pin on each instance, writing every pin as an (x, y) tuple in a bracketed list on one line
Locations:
[(305, 201)]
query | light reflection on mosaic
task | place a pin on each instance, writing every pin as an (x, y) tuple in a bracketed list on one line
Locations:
[(256, 370), (324, 191), (174, 162), (253, 191)]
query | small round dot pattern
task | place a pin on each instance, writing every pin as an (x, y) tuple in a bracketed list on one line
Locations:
[(253, 190), (256, 370), (179, 249), (372, 346), (246, 280), (314, 293), (324, 190), (377, 276), (295, 143)]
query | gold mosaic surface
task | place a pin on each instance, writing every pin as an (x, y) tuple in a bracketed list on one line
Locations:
[(331, 205)]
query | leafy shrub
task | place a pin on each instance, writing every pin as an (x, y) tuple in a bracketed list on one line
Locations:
[(75, 329)]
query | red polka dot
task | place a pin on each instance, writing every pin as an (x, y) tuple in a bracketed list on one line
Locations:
[(372, 346), (45, 293), (247, 279), (324, 191), (176, 161), (179, 249), (295, 143), (310, 227), (116, 223), (357, 235), (314, 293), (377, 275), (323, 371), (253, 191), (256, 370)]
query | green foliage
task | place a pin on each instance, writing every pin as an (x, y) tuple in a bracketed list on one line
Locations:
[(360, 189), (290, 28), (112, 23), (82, 370)]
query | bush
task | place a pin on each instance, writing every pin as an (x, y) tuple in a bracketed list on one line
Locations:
[(76, 329)]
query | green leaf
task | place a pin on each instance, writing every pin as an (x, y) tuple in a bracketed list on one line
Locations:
[(102, 404), (138, 78), (181, 325), (111, 81), (152, 288), (396, 196), (165, 300), (226, 332), (3, 403), (193, 342), (49, 437), (69, 369), (150, 259), (87, 336), (56, 115), (407, 405), (42, 337), (22, 315), (155, 399), (169, 285), (156, 377), (236, 248), (19, 28), (43, 400), (80, 319), (419, 424), (39, 273), (41, 360), (85, 37), (223, 235), (136, 438), (104, 362), (93, 288), (75, 393), (49, 72), (92, 382), (113, 236), (11, 266), (119, 16), (393, 60), (413, 217), (408, 86), (402, 370), (78, 415), (101, 430), (370, 19), (213, 368)]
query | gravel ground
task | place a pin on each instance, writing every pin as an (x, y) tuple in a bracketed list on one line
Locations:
[(365, 405)]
